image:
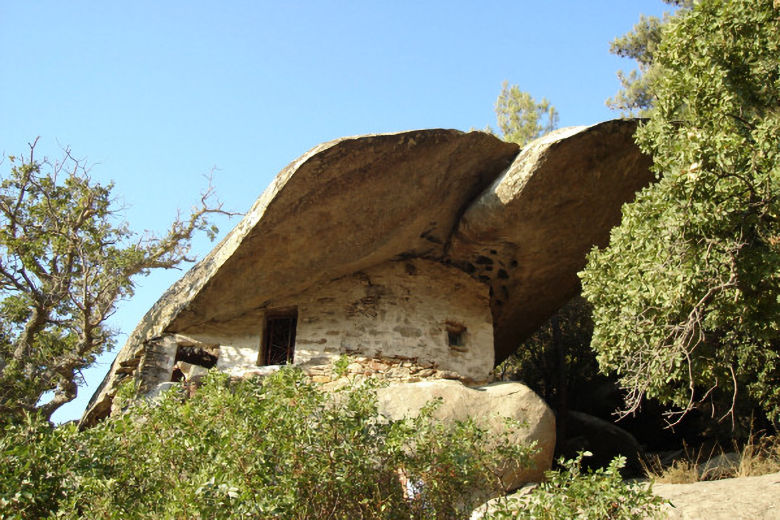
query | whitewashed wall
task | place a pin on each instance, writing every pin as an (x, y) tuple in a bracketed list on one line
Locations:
[(396, 309), (399, 309)]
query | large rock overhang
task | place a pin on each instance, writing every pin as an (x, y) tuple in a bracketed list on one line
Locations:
[(343, 206), (528, 234), (521, 223), (351, 205)]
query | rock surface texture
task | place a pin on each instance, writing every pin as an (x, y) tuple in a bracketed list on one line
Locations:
[(516, 224), (490, 404), (746, 498), (527, 234)]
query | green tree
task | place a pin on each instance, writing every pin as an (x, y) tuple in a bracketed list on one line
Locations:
[(520, 118), (636, 94), (66, 259), (687, 295)]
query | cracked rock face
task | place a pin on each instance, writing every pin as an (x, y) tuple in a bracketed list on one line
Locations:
[(517, 222), (528, 233)]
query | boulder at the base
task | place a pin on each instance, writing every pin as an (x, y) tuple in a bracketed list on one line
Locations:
[(603, 439), (489, 403)]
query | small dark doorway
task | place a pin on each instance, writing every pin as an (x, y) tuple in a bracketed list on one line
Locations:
[(279, 338)]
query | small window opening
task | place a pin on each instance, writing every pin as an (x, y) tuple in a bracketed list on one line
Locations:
[(455, 339), (193, 361), (279, 338), (456, 336), (177, 375), (196, 356)]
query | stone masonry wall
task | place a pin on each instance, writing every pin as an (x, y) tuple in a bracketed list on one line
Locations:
[(394, 319), (399, 310), (387, 369)]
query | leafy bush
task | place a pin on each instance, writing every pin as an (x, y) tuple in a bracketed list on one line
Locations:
[(34, 461), (568, 493), (280, 448), (687, 295), (67, 259)]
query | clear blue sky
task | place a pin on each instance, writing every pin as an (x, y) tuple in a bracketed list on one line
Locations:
[(154, 94)]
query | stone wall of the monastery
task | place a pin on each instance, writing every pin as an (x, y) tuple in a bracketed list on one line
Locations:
[(399, 310), (157, 362), (395, 317), (396, 369), (239, 353)]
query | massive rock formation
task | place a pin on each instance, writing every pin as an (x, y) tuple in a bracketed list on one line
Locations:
[(527, 234), (519, 225), (488, 405)]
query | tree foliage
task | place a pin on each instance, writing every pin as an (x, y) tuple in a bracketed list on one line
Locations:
[(520, 118), (636, 94), (276, 448), (66, 259), (687, 295)]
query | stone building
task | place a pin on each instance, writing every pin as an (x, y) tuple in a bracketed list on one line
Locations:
[(421, 254)]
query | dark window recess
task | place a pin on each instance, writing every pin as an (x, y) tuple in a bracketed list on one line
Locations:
[(195, 356), (455, 339), (177, 376), (279, 340), (456, 336)]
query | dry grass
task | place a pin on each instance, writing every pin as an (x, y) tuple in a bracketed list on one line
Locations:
[(681, 471), (759, 456)]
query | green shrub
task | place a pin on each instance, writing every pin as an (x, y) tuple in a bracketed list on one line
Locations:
[(569, 493), (280, 448), (34, 461), (686, 296)]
